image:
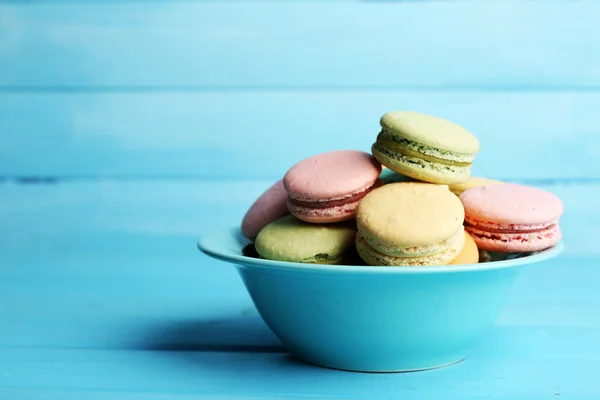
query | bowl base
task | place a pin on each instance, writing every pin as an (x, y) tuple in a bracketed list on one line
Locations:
[(377, 370)]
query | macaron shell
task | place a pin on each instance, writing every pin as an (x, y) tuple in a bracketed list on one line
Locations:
[(423, 170), (289, 239), (332, 175), (469, 253), (409, 214), (472, 182), (375, 258), (431, 131), (509, 203), (271, 205)]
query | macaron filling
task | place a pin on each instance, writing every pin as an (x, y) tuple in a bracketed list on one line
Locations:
[(376, 258), (524, 233), (336, 202), (414, 149), (416, 251), (490, 226), (329, 210), (552, 233), (419, 162)]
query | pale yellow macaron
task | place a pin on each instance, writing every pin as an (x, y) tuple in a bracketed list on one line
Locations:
[(472, 182), (410, 224)]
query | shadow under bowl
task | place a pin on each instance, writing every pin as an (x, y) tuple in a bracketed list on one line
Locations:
[(374, 319)]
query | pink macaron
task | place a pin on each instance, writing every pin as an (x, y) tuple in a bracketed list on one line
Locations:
[(327, 187), (511, 218), (271, 205)]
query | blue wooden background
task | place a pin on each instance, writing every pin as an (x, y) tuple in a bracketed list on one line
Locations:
[(128, 129)]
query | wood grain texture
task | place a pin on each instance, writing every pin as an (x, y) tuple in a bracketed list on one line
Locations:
[(48, 215), (246, 375), (250, 134), (103, 295), (115, 265), (91, 394), (300, 44), (194, 108)]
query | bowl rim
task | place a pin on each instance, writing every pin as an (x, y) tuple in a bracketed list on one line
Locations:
[(214, 245)]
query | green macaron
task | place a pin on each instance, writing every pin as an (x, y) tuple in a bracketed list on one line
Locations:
[(289, 239), (425, 147)]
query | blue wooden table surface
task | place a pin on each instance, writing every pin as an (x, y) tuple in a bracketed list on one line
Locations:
[(129, 129)]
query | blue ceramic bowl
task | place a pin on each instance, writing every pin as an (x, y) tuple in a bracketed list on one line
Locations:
[(374, 319)]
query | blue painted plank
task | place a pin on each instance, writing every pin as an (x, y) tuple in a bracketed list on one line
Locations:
[(27, 394), (246, 375), (211, 311), (114, 265), (248, 134), (300, 44), (106, 297), (73, 216)]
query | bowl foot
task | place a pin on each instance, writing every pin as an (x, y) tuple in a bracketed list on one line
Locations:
[(383, 370)]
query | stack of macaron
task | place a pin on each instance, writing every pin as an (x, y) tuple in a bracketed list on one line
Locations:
[(411, 201)]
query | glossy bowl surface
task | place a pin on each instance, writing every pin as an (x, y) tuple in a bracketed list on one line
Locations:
[(374, 319)]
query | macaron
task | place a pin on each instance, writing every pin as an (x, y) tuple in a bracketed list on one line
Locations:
[(425, 147), (469, 253), (512, 218), (289, 239), (271, 205), (327, 187), (472, 182), (410, 224)]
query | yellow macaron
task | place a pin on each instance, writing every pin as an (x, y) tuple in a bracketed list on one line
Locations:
[(410, 224), (469, 253)]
